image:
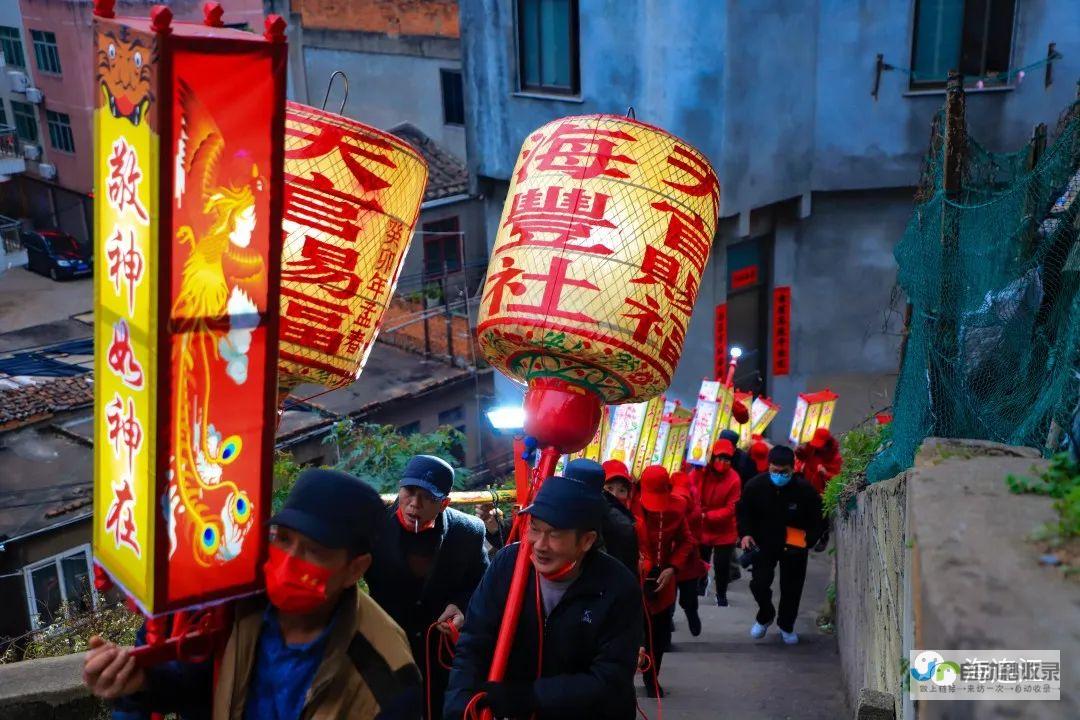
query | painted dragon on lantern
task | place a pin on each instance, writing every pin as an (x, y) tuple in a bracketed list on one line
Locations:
[(213, 308)]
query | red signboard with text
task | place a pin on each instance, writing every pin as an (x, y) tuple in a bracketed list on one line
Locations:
[(720, 342), (781, 331)]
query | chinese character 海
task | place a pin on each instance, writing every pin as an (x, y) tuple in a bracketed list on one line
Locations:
[(578, 152)]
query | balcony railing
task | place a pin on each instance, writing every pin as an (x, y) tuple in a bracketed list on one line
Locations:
[(9, 142), (9, 233)]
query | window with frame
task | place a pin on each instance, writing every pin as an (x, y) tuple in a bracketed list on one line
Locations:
[(62, 580), (60, 136), (548, 46), (452, 416), (25, 117), (409, 429), (12, 48), (46, 53), (972, 36), (453, 98), (442, 247)]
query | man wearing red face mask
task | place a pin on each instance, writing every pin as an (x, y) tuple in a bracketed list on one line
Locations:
[(665, 545), (318, 648), (427, 562), (720, 488)]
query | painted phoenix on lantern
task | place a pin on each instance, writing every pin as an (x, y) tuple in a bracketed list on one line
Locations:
[(216, 192)]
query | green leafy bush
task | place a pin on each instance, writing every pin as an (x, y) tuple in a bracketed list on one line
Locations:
[(1061, 481), (376, 453), (858, 447), (72, 631)]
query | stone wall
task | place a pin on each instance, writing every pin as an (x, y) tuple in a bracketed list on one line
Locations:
[(869, 590), (47, 689), (941, 557)]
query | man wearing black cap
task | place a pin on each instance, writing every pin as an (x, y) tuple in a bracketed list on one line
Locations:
[(618, 534), (428, 561), (779, 517), (576, 645), (318, 648)]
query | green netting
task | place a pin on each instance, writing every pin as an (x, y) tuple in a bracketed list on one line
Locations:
[(992, 276)]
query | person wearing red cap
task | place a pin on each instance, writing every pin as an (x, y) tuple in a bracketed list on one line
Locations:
[(685, 491), (720, 490), (665, 545), (759, 453)]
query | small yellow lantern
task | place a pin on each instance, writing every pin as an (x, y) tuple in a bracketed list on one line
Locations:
[(812, 411), (352, 198)]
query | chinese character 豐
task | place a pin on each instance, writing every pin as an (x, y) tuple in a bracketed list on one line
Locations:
[(561, 215)]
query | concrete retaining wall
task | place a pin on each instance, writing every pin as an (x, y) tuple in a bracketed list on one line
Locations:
[(47, 689)]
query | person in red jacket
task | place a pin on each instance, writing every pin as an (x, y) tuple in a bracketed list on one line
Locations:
[(720, 489), (759, 453), (685, 492), (665, 545), (819, 460)]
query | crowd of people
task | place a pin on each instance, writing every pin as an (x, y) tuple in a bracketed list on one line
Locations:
[(611, 557)]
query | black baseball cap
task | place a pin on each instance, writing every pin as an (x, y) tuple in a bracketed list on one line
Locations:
[(782, 455), (430, 473), (568, 504), (587, 471), (334, 509)]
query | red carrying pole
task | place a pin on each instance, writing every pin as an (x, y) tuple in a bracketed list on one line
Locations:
[(549, 456)]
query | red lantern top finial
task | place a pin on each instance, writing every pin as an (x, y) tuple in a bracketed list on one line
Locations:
[(212, 14), (104, 8), (161, 19), (275, 29)]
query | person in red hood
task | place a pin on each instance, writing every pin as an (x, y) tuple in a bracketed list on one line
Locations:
[(685, 492), (665, 544), (819, 460), (720, 489), (759, 453)]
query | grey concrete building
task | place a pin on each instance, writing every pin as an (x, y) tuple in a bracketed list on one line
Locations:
[(817, 150)]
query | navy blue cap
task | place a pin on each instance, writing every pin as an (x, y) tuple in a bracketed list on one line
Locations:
[(565, 503), (334, 509), (587, 471), (731, 436), (430, 473)]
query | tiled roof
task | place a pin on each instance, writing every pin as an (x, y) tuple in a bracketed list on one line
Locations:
[(43, 398), (447, 176)]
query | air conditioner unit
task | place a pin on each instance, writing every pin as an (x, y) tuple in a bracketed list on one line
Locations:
[(47, 171), (34, 95), (19, 81), (31, 152)]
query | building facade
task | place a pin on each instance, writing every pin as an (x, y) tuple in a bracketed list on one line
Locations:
[(817, 150), (54, 102)]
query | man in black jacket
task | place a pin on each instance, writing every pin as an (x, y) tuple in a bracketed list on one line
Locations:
[(428, 560), (779, 515), (618, 536), (581, 607)]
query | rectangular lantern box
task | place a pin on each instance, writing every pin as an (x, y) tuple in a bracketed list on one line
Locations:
[(188, 127), (813, 410)]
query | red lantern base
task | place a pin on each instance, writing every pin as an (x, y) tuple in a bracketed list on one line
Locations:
[(560, 414)]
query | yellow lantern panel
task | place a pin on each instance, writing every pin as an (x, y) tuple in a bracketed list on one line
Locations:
[(605, 232), (352, 198)]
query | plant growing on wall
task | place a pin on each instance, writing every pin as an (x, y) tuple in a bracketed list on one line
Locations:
[(376, 453), (858, 447), (1060, 481)]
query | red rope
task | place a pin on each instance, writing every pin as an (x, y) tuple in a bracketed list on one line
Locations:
[(445, 645)]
